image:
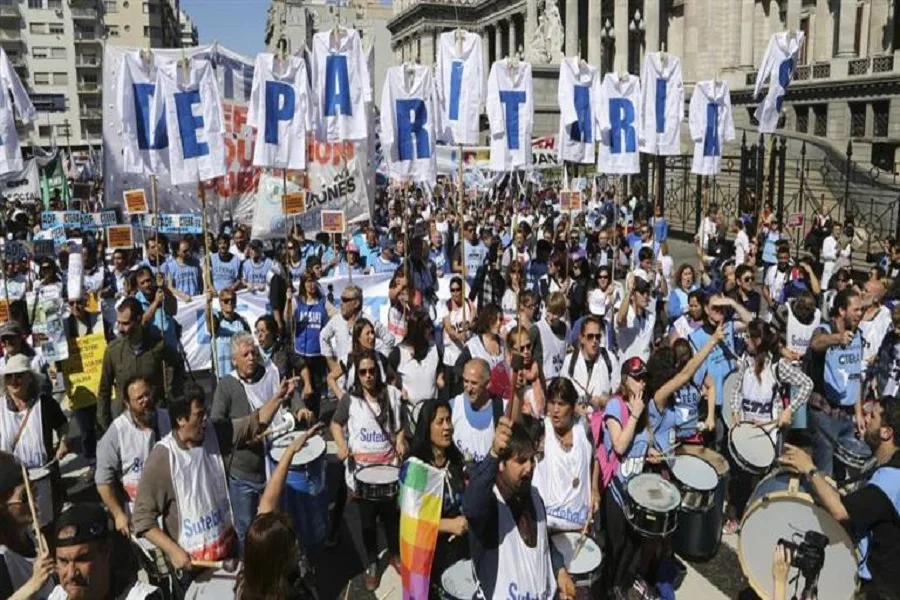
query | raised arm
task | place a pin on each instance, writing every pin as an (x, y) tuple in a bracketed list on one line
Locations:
[(684, 376)]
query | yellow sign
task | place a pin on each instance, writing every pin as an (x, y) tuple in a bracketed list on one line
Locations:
[(293, 204), (81, 371), (119, 236), (4, 311), (570, 201), (135, 202), (332, 221)]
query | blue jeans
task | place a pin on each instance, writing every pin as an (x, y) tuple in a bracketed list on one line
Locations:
[(244, 502), (827, 431)]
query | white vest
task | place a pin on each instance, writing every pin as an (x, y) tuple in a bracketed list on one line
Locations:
[(419, 378), (369, 442), (134, 447), (29, 450), (759, 394), (472, 442), (683, 326), (451, 350), (201, 492), (599, 382), (138, 591), (523, 572), (263, 390), (799, 335), (554, 349), (563, 479), (477, 350)]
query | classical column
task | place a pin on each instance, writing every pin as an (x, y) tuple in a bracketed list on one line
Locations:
[(486, 51), (498, 41), (595, 24), (571, 26), (651, 25), (747, 10), (793, 14), (621, 28), (692, 61), (513, 42), (847, 28), (822, 28), (530, 21)]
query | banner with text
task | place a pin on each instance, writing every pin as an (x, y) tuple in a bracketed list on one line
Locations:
[(24, 185)]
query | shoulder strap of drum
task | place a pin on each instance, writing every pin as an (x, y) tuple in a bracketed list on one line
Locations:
[(21, 428), (387, 435), (496, 409), (605, 354)]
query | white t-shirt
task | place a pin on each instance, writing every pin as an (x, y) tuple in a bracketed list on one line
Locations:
[(635, 336), (741, 247)]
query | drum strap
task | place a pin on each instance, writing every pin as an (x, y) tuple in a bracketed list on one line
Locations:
[(381, 427), (21, 428)]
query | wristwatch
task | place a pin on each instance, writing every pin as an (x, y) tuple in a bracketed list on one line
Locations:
[(811, 473)]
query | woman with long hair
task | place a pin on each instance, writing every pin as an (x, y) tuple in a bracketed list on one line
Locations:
[(763, 375), (309, 317), (695, 400), (372, 415), (362, 338), (515, 283), (485, 342), (455, 327), (578, 290), (433, 445), (417, 363), (684, 282), (638, 428)]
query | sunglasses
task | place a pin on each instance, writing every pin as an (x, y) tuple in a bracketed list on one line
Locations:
[(602, 276), (524, 348), (455, 289), (226, 300), (592, 337), (638, 376), (746, 279), (13, 376), (367, 372), (348, 298)]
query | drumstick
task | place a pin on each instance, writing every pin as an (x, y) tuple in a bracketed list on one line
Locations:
[(387, 594), (671, 450), (582, 538), (34, 517), (229, 564), (347, 593)]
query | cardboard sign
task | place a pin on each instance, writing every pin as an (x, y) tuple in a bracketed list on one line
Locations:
[(293, 204), (81, 371), (570, 201), (135, 202), (795, 220), (44, 248), (14, 251), (120, 236), (4, 311), (70, 219), (332, 221)]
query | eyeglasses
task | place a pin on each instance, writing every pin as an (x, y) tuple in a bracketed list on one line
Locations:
[(348, 298), (455, 289), (367, 372), (747, 279), (524, 348), (13, 376), (592, 337), (226, 300)]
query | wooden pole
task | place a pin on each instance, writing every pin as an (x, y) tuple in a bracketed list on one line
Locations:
[(160, 282), (207, 261), (34, 516), (460, 227)]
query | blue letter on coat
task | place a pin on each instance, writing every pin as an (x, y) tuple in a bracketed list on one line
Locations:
[(280, 101), (711, 139), (142, 94), (621, 119), (337, 86), (188, 124), (456, 75), (511, 101), (412, 115), (661, 87), (582, 130)]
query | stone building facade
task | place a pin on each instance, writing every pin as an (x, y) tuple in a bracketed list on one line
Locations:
[(846, 86)]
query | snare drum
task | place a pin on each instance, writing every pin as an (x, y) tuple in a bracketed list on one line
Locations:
[(458, 581), (652, 505), (855, 455), (751, 447), (378, 482), (781, 507), (697, 481), (583, 567), (212, 585), (699, 533), (304, 496), (732, 381)]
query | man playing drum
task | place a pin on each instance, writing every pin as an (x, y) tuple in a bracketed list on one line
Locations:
[(872, 513), (184, 480)]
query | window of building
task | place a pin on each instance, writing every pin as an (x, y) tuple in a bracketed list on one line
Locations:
[(857, 119), (60, 78), (857, 37), (44, 131), (42, 78), (40, 52), (802, 118), (54, 4), (112, 30), (58, 52), (48, 102), (89, 79), (150, 8), (883, 156), (804, 27), (38, 28), (110, 6), (821, 126), (35, 3), (57, 28), (881, 112)]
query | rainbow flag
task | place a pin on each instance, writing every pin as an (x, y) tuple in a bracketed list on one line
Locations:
[(421, 496)]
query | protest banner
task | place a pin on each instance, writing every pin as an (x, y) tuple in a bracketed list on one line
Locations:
[(81, 371), (24, 185), (120, 236), (135, 202)]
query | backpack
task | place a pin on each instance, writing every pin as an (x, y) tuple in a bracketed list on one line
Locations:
[(608, 462)]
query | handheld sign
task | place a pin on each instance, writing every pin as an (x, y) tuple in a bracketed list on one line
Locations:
[(135, 202), (293, 204), (120, 236), (570, 201), (4, 311), (332, 221)]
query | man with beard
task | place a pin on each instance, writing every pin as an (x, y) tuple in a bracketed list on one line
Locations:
[(158, 304), (123, 450), (871, 513), (85, 560), (137, 351), (836, 356), (508, 522), (226, 267)]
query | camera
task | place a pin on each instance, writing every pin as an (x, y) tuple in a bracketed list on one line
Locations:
[(808, 556)]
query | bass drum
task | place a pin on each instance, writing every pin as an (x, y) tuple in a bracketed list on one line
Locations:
[(781, 507), (732, 380), (699, 533)]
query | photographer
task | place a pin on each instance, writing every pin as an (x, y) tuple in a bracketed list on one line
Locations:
[(871, 514)]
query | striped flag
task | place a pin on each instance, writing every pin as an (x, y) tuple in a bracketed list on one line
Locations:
[(421, 496)]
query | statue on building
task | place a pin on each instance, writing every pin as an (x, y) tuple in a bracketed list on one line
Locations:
[(546, 46)]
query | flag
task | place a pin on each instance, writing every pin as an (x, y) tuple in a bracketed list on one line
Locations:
[(421, 496), (53, 179)]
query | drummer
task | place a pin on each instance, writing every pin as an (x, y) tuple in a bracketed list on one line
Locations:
[(371, 413), (193, 502), (27, 425), (86, 563), (871, 513), (247, 388), (564, 476), (762, 376), (124, 448), (630, 439)]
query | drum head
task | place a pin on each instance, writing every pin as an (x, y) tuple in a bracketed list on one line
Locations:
[(785, 515), (588, 559), (732, 380), (379, 474), (458, 580), (212, 585), (653, 492), (718, 462), (695, 472), (753, 444), (38, 473), (313, 449)]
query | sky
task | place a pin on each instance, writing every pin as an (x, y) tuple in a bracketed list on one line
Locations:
[(239, 25)]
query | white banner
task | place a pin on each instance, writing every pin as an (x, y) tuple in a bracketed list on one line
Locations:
[(330, 188), (251, 305), (24, 185)]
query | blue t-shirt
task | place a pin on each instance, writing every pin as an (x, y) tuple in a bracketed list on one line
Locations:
[(719, 362), (224, 273), (309, 320), (841, 372), (185, 278), (255, 273), (161, 323)]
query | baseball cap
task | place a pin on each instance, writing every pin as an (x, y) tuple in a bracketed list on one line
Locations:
[(634, 367), (81, 524), (10, 329), (641, 285), (18, 363)]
